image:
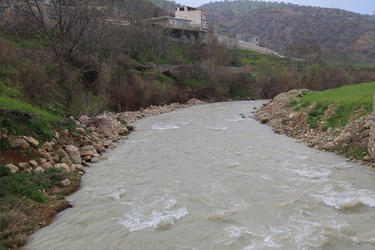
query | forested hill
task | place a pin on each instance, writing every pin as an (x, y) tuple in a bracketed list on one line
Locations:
[(340, 34)]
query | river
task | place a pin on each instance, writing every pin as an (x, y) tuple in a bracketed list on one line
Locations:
[(207, 178)]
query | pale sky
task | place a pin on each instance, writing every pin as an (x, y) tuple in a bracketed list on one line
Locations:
[(360, 6)]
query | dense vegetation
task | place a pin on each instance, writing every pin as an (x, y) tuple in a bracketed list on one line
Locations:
[(342, 35)]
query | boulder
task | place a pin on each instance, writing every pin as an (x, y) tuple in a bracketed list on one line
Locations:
[(18, 143), (33, 163), (73, 153), (67, 160), (39, 170), (48, 146), (32, 141), (94, 159), (13, 168), (63, 166), (77, 166), (343, 138), (47, 165), (23, 165), (61, 153), (87, 151)]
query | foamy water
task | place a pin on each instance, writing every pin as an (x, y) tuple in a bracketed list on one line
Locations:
[(211, 177)]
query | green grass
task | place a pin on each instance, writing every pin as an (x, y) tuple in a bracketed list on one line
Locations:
[(40, 122), (248, 57), (352, 101), (23, 185), (7, 102), (315, 115), (346, 95), (33, 43)]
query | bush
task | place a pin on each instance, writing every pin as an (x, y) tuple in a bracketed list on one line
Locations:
[(4, 145), (4, 171)]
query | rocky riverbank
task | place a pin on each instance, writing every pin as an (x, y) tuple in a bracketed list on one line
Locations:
[(79, 148), (71, 151), (351, 141)]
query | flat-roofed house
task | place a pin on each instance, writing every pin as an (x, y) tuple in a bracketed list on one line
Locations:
[(198, 17)]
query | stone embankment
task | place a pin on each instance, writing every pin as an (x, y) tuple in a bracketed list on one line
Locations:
[(283, 118), (75, 150)]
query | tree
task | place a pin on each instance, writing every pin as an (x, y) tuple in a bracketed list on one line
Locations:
[(65, 25)]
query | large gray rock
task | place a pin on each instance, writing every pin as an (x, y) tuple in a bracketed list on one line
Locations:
[(18, 143), (87, 151), (63, 166), (74, 154)]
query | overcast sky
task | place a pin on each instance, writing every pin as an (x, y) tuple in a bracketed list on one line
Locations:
[(360, 6)]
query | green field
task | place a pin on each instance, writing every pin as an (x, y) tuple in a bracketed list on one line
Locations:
[(347, 95), (353, 101)]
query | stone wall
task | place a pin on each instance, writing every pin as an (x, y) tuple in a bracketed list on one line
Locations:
[(371, 144)]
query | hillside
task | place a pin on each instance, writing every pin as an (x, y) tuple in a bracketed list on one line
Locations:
[(341, 34)]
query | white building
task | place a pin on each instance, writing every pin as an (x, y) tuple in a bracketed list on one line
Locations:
[(198, 17)]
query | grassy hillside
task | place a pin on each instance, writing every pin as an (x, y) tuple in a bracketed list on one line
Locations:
[(341, 34), (350, 102)]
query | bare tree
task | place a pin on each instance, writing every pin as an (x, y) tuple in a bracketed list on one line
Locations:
[(64, 25)]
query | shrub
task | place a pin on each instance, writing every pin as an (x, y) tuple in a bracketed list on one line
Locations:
[(4, 171), (4, 145)]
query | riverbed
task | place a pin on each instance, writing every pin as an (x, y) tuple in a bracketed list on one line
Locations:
[(212, 177)]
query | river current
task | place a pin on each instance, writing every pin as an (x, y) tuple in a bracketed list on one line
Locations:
[(207, 178)]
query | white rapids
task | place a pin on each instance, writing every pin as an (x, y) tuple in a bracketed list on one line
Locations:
[(206, 178)]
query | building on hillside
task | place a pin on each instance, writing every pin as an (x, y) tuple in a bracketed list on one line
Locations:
[(198, 17), (189, 24)]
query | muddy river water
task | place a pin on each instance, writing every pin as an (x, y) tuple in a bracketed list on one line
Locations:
[(206, 177)]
